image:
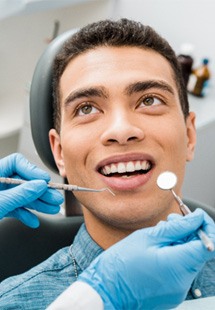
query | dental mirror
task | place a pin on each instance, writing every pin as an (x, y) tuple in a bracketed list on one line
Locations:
[(167, 180)]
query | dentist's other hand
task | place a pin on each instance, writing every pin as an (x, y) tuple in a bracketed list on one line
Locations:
[(17, 201), (153, 268)]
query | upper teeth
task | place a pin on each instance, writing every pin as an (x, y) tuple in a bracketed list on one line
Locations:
[(123, 167)]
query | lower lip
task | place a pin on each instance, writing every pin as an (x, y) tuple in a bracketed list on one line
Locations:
[(126, 184)]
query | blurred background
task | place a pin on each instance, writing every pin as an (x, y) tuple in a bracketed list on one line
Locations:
[(28, 26)]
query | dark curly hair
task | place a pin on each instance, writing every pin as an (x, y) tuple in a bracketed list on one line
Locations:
[(119, 33)]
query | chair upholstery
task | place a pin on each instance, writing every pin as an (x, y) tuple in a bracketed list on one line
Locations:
[(41, 110), (193, 204), (22, 248)]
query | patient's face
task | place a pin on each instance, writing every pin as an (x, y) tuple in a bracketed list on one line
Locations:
[(122, 125)]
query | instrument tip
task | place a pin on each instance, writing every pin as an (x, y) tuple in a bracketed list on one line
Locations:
[(110, 191)]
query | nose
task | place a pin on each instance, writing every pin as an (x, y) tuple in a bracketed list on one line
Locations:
[(122, 128)]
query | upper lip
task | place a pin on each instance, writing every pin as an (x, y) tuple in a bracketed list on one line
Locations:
[(124, 158)]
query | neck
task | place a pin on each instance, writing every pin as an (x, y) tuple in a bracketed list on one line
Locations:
[(106, 234), (103, 234)]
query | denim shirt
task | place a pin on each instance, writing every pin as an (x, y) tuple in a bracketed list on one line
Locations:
[(38, 287)]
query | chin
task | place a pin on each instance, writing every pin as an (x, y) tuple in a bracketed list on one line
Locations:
[(127, 221)]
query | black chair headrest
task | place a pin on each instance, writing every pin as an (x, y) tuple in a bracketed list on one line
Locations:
[(41, 110)]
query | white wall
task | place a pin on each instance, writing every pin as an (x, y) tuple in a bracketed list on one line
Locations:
[(200, 177), (9, 144), (178, 21), (23, 39)]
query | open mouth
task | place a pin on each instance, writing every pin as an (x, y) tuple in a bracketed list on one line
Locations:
[(126, 169)]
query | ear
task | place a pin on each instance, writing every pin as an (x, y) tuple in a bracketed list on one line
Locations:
[(55, 143), (191, 135)]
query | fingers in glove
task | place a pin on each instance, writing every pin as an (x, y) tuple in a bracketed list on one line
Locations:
[(52, 197), (43, 207), (174, 216), (28, 171), (208, 224), (21, 195), (26, 217), (18, 164), (179, 228)]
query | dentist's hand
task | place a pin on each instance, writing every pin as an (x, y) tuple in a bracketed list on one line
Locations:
[(153, 268), (15, 201)]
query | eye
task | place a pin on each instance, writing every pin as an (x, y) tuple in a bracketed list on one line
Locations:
[(86, 109), (150, 100)]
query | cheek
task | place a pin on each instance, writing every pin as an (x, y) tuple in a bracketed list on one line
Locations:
[(178, 146), (177, 150), (76, 146), (172, 138)]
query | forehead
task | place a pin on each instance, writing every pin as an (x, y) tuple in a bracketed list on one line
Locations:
[(115, 67)]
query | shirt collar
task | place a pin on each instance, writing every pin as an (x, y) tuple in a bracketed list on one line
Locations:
[(84, 248)]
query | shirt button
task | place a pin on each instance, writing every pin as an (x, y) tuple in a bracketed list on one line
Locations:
[(197, 293)]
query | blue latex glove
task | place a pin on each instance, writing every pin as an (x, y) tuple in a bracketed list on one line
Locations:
[(15, 201), (153, 268)]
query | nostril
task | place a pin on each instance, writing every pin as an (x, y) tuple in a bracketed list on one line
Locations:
[(122, 140), (123, 134), (132, 138), (112, 140)]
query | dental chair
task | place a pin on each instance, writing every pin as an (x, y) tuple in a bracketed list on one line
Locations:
[(20, 246)]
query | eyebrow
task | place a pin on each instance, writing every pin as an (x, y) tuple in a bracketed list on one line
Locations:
[(100, 91), (86, 92), (145, 85)]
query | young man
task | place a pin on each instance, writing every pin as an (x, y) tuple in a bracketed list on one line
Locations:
[(121, 118)]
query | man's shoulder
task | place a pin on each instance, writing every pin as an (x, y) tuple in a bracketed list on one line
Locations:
[(39, 278), (208, 273), (209, 269), (205, 282)]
